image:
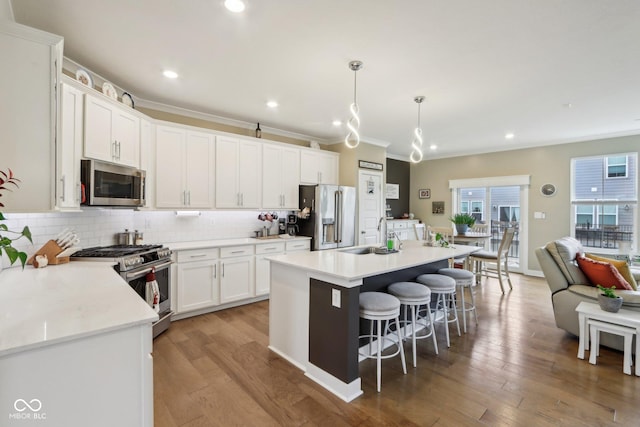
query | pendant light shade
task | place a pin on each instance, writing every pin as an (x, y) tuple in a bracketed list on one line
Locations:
[(353, 137), (416, 144)]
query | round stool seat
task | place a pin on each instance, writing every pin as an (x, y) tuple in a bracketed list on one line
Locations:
[(378, 305), (457, 273), (438, 283), (410, 292)]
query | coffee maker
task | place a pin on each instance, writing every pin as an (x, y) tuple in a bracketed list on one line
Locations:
[(292, 225)]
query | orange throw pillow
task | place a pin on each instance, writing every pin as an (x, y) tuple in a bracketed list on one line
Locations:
[(621, 266), (602, 273)]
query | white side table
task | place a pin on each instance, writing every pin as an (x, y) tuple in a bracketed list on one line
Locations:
[(589, 310)]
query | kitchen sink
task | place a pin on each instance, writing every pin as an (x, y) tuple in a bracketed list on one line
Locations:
[(369, 250), (359, 251)]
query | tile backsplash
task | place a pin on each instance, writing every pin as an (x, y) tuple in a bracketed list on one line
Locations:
[(98, 227)]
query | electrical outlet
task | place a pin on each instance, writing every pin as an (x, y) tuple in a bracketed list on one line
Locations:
[(335, 298)]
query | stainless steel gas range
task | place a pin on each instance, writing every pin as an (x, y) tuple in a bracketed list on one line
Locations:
[(133, 263)]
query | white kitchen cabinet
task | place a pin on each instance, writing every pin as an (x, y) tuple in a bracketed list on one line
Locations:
[(111, 134), (403, 228), (238, 173), (69, 148), (318, 167), (184, 160), (237, 273), (298, 245), (198, 285), (263, 275), (32, 61), (281, 177)]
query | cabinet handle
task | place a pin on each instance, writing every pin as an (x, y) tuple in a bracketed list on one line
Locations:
[(215, 270), (270, 249), (241, 199), (197, 256), (223, 269), (64, 188), (189, 197), (118, 149), (184, 197), (237, 252), (113, 150)]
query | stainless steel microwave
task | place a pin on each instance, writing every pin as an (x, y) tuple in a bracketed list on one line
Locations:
[(106, 184)]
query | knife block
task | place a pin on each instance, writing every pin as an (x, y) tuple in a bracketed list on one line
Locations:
[(51, 250)]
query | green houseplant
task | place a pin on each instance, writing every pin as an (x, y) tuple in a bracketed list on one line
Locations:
[(463, 221), (7, 237), (608, 300)]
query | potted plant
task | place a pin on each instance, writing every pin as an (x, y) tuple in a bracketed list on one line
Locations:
[(608, 299), (8, 236), (462, 222)]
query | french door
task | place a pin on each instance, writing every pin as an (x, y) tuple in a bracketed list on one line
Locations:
[(497, 202)]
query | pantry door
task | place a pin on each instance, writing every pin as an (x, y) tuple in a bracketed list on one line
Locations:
[(370, 206)]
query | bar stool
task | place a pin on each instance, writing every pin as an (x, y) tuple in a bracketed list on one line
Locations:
[(445, 288), (378, 306), (464, 280), (413, 295)]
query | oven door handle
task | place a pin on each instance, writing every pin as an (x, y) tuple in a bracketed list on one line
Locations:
[(141, 273)]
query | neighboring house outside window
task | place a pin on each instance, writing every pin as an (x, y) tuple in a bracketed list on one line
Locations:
[(604, 198)]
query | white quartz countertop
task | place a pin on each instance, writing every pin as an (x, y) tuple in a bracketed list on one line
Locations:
[(40, 307), (200, 244), (347, 266)]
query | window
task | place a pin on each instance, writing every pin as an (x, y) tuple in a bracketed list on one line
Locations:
[(617, 167), (604, 209), (474, 208), (509, 213)]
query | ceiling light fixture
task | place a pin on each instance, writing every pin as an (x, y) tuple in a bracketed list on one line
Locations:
[(336, 122), (353, 137), (272, 104), (416, 144), (433, 147), (235, 6), (170, 74), (509, 136)]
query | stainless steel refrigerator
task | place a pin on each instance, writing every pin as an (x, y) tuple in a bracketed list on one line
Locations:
[(331, 222)]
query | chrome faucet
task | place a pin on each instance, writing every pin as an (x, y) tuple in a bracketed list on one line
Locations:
[(383, 236)]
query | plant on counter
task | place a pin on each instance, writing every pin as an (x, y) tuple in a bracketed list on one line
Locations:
[(6, 241), (440, 240)]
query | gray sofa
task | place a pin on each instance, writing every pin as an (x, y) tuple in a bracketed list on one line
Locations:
[(569, 286)]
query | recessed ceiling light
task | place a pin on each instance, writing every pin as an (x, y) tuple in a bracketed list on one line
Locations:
[(433, 147), (567, 105), (509, 136), (272, 104), (170, 74), (336, 123), (236, 6)]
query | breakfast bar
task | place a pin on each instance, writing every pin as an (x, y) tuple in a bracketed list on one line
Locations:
[(314, 305)]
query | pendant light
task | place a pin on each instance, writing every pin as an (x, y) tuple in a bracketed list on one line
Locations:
[(416, 144), (353, 137)]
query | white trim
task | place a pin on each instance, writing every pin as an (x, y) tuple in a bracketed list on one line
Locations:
[(398, 157), (490, 181)]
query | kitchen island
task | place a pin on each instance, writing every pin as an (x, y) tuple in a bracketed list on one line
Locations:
[(75, 347), (314, 318)]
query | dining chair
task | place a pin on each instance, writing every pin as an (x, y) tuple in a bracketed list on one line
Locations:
[(480, 228), (445, 232), (500, 258), (421, 231)]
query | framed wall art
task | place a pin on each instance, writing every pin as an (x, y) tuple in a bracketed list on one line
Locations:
[(437, 208), (425, 193)]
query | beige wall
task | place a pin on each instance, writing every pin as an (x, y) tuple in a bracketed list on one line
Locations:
[(190, 121), (6, 12), (544, 164), (349, 159)]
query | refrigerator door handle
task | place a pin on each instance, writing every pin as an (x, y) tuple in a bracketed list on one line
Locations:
[(338, 216)]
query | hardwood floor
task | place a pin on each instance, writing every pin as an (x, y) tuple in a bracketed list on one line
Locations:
[(514, 369)]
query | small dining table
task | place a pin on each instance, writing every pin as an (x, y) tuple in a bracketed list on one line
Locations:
[(471, 238)]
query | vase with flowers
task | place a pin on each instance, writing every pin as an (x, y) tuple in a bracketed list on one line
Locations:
[(7, 237)]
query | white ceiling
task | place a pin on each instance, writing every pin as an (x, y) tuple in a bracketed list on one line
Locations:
[(486, 67)]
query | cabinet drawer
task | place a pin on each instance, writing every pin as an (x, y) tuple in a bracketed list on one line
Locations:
[(197, 255), (270, 248), (301, 245), (234, 251), (399, 225)]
